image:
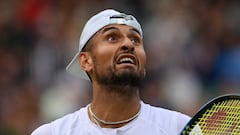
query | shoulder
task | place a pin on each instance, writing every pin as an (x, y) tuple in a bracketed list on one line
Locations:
[(43, 130), (65, 123), (153, 111), (165, 118)]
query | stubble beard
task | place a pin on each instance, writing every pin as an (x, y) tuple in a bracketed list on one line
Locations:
[(120, 81)]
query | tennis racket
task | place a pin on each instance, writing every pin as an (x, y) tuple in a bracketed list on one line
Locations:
[(220, 116)]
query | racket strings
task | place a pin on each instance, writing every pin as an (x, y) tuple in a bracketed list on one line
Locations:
[(222, 118)]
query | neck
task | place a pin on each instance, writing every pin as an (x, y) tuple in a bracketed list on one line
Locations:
[(110, 104)]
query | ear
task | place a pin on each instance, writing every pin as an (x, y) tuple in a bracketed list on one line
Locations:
[(85, 61)]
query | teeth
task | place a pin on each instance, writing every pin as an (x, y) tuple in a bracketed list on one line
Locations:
[(126, 60)]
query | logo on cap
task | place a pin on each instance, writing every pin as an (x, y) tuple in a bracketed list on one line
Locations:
[(122, 16)]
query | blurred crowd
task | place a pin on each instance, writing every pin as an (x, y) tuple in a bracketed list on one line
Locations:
[(193, 50)]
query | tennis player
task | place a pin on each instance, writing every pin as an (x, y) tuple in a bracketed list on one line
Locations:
[(111, 55)]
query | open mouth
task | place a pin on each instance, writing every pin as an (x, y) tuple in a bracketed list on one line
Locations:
[(126, 59)]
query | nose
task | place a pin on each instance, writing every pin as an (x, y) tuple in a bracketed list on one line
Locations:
[(127, 45)]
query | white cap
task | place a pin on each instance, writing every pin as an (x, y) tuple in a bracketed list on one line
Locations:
[(94, 24)]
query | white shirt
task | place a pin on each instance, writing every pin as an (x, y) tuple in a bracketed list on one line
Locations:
[(151, 121)]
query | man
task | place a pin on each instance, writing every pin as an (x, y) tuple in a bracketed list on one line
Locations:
[(111, 55)]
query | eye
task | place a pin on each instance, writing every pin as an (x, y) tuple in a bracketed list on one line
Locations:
[(135, 40), (111, 38)]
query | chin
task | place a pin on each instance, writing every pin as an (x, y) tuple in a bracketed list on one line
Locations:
[(127, 77)]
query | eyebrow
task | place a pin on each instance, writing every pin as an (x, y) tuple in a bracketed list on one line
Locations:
[(110, 28), (133, 29), (114, 28)]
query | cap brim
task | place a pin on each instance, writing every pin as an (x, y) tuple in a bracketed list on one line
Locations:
[(75, 69)]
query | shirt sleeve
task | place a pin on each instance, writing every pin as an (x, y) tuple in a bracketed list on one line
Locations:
[(43, 130)]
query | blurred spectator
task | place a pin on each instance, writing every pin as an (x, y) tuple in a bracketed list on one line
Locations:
[(193, 49), (18, 96)]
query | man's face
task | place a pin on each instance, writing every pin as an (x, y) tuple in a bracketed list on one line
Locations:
[(118, 56)]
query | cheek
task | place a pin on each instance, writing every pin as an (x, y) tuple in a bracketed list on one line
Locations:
[(142, 57), (103, 56)]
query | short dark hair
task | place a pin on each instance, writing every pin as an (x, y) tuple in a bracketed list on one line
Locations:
[(88, 47)]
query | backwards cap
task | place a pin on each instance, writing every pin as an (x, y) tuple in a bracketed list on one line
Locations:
[(93, 25)]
